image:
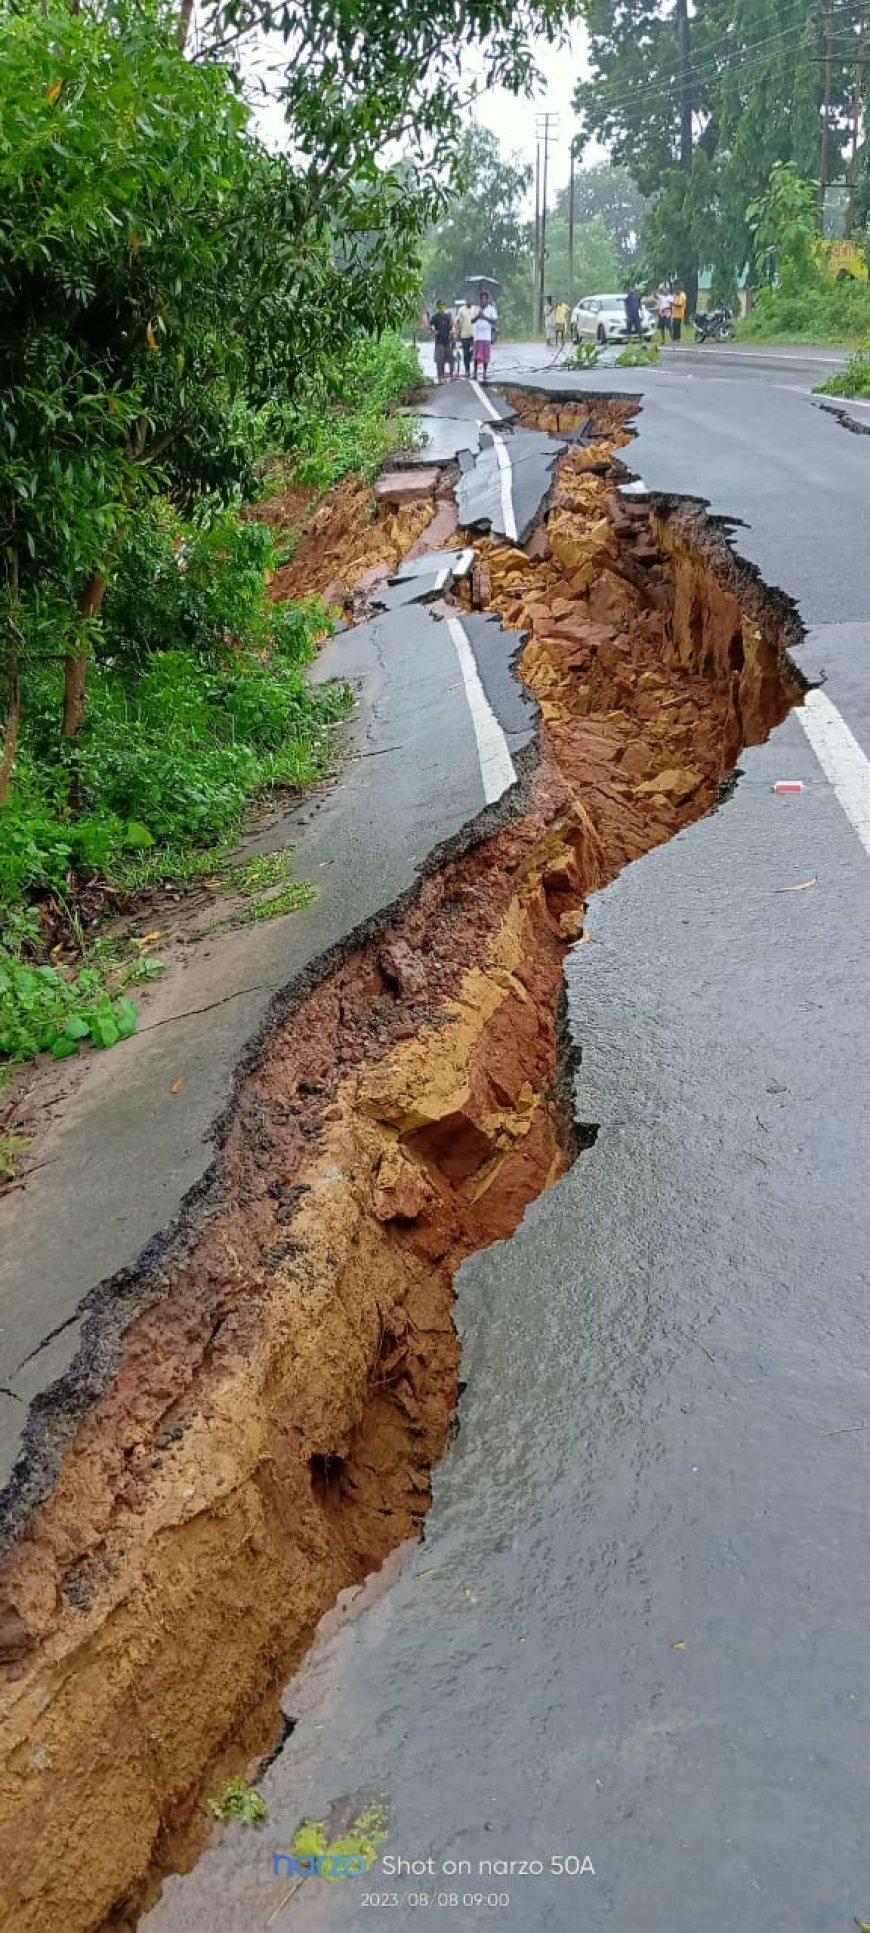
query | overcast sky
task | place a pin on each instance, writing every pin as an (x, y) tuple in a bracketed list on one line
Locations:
[(512, 120)]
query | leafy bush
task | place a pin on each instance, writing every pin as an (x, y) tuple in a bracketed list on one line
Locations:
[(198, 702), (583, 355), (344, 419), (41, 1010), (853, 379), (822, 311)]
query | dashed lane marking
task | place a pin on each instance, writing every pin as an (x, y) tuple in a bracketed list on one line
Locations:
[(496, 765)]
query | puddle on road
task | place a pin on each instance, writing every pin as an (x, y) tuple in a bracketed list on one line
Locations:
[(269, 1435)]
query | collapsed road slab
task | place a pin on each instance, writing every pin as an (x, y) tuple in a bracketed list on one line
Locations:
[(424, 577), (510, 483)]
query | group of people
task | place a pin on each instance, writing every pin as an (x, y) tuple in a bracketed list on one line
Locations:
[(667, 305), (670, 309), (467, 330)]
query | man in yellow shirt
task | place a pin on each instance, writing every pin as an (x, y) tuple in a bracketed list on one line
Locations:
[(678, 314), (560, 319)]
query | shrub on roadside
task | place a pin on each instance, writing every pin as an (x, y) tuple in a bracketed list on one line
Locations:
[(852, 380), (822, 311), (345, 419), (198, 702)]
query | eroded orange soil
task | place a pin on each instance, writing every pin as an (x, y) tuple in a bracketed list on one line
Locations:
[(272, 1426)]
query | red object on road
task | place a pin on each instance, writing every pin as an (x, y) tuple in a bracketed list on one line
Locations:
[(789, 785)]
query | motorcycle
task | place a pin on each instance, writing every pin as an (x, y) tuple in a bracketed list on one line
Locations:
[(714, 325)]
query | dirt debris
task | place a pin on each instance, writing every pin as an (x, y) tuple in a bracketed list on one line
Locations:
[(270, 1433), (342, 538)]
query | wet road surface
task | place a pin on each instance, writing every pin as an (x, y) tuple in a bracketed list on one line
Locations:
[(635, 1631)]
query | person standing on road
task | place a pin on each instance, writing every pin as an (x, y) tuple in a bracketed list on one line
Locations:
[(633, 314), (561, 321), (678, 313), (441, 325), (663, 311), (550, 321), (465, 333), (482, 328)]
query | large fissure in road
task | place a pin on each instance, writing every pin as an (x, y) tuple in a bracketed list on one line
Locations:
[(269, 1434)]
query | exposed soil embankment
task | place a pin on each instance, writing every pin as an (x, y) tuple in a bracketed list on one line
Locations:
[(272, 1428)]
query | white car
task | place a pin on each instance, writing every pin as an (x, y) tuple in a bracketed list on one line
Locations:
[(601, 318)]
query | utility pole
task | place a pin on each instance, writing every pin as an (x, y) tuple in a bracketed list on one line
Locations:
[(536, 267), (547, 127), (826, 123), (857, 100), (686, 102), (573, 152)]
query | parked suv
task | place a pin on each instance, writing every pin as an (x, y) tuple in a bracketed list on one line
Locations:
[(601, 318)]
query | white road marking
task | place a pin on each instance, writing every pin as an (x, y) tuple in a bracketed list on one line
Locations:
[(487, 401), (841, 759), (496, 765), (506, 481)]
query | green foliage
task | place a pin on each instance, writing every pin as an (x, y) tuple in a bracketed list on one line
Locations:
[(484, 230), (607, 194), (265, 879), (596, 264), (853, 380), (753, 79), (583, 355), (13, 1148), (41, 1010), (176, 740), (783, 225), (241, 1801), (363, 1839), (822, 311), (344, 418), (638, 355)]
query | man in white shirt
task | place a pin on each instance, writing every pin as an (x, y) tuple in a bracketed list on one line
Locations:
[(483, 321)]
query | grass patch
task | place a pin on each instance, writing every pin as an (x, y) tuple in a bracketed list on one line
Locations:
[(852, 380), (291, 898)]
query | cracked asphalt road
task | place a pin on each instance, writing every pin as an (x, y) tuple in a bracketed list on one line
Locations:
[(126, 1148), (635, 1629)]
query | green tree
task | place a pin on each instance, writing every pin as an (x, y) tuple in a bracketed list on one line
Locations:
[(699, 108), (783, 224), (609, 195), (485, 228), (596, 264), (163, 275)]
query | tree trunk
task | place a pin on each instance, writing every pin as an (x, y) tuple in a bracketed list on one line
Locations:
[(183, 24), (13, 676), (686, 102), (13, 720), (76, 670)]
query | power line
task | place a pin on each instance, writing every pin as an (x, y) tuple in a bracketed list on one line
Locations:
[(709, 65)]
